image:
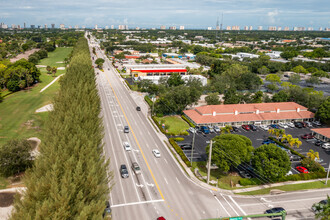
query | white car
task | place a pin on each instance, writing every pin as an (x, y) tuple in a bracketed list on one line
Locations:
[(127, 147), (283, 125), (290, 124), (211, 129), (216, 128), (318, 160), (156, 153), (326, 146), (264, 127), (289, 173), (192, 130)]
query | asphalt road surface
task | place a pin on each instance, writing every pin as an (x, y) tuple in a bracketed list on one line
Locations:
[(163, 188)]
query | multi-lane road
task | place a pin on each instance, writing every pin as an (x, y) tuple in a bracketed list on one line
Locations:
[(163, 188)]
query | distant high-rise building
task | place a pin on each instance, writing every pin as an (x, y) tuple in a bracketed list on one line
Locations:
[(299, 28), (83, 27), (24, 25), (279, 28), (209, 28), (122, 27), (106, 27), (112, 27), (70, 27), (181, 28), (96, 27), (246, 28), (259, 28), (62, 26), (320, 29), (53, 26), (228, 28), (39, 26), (310, 28), (327, 29), (286, 28), (32, 26), (76, 27), (18, 26), (163, 27), (235, 28), (13, 26), (250, 28), (217, 27), (172, 28), (137, 28), (45, 26), (272, 28)]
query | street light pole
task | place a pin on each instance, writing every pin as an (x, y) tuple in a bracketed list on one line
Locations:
[(192, 150), (209, 164), (326, 181)]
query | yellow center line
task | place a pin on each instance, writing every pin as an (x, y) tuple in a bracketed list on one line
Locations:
[(152, 175)]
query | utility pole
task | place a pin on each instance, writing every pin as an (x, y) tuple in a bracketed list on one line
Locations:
[(326, 181), (209, 164), (192, 151)]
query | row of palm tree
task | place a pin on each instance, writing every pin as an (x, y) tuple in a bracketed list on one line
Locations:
[(51, 70)]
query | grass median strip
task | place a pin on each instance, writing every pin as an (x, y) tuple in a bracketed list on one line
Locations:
[(291, 187)]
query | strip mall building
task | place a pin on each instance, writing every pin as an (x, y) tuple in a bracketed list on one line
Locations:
[(257, 113)]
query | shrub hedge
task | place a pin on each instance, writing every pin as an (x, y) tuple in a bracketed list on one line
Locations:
[(287, 147), (158, 125), (179, 139), (304, 176), (129, 85), (148, 100), (179, 151), (188, 121), (249, 182)]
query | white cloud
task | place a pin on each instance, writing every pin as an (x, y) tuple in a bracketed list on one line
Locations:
[(272, 16)]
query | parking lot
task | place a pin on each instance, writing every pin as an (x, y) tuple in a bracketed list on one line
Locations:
[(202, 140)]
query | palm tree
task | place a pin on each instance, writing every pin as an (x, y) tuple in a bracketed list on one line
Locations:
[(54, 70), (296, 142), (49, 69), (271, 131), (313, 154), (279, 132), (226, 129)]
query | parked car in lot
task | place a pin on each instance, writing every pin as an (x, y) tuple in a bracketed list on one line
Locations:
[(234, 128), (205, 129), (156, 153), (264, 127), (211, 129), (123, 171), (309, 124), (268, 141), (246, 127), (126, 129), (294, 157), (319, 143), (253, 127), (216, 128), (302, 169), (326, 146), (298, 124), (127, 147), (289, 173), (316, 123), (192, 130), (275, 210), (244, 174), (307, 136), (318, 160), (136, 168), (186, 147), (290, 124), (283, 125), (107, 210), (275, 126)]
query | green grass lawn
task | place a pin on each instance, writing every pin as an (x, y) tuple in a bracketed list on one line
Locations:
[(291, 187), (57, 56), (19, 108), (3, 182), (175, 123)]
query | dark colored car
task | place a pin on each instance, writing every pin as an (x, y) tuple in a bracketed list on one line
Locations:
[(246, 127), (304, 124), (186, 147), (268, 142), (307, 136), (138, 108), (298, 124), (319, 143), (253, 127), (205, 129), (244, 174), (126, 129), (275, 126), (274, 210), (316, 123), (107, 210), (234, 128), (123, 171)]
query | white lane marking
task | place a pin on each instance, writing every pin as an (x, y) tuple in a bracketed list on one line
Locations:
[(220, 204), (265, 200), (141, 185), (137, 203), (155, 160), (150, 184), (237, 205), (157, 212), (177, 179), (165, 160), (229, 204), (165, 180), (149, 133), (147, 145)]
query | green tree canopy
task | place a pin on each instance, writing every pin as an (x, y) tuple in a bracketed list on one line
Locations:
[(212, 99), (99, 62), (230, 150), (299, 69), (323, 112), (175, 80)]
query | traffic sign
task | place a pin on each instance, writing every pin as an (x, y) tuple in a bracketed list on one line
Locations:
[(236, 218)]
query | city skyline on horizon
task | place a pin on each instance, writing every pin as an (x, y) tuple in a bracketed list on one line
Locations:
[(153, 14)]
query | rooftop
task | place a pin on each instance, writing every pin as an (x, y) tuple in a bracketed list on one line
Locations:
[(322, 131)]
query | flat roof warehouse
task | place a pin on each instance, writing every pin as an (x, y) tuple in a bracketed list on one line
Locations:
[(236, 114)]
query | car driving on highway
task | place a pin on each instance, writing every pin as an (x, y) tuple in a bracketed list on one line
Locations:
[(123, 171), (156, 153)]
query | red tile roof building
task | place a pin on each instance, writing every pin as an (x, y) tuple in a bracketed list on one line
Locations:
[(258, 113), (322, 133)]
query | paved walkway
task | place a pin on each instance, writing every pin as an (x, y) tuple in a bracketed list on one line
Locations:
[(51, 83), (6, 211)]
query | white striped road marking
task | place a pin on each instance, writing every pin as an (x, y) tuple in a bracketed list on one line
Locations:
[(137, 203), (177, 180), (229, 204), (238, 206), (165, 160), (165, 180), (220, 204)]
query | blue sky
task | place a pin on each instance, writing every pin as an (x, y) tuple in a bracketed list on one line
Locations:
[(153, 13)]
